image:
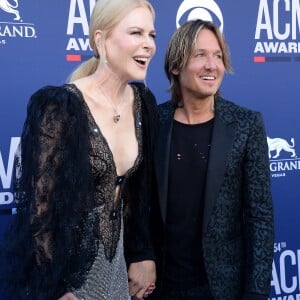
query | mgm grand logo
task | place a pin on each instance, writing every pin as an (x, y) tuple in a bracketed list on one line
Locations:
[(11, 8), (282, 156), (14, 26)]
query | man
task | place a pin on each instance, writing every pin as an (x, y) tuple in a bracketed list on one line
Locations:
[(213, 220)]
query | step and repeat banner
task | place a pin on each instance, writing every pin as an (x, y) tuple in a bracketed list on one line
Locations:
[(42, 42)]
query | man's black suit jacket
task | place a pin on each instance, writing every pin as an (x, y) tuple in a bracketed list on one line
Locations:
[(238, 213)]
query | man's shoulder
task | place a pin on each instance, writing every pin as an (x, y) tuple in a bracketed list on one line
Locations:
[(167, 105), (166, 108), (233, 110)]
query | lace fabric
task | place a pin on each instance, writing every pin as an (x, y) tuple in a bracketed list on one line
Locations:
[(51, 245), (63, 191), (108, 214)]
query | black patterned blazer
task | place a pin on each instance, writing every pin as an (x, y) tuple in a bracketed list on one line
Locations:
[(238, 231)]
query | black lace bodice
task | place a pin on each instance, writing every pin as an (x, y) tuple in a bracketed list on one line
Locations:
[(107, 213), (64, 195)]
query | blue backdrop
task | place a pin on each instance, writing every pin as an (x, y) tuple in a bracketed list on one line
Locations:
[(42, 43)]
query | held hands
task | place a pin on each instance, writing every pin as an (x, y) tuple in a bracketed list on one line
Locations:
[(68, 296), (141, 277)]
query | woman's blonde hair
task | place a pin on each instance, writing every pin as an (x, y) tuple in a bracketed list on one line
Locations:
[(105, 16)]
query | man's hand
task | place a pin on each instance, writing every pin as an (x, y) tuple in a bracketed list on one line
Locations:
[(68, 296), (141, 277)]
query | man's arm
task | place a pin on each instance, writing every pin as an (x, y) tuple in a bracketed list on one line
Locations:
[(258, 213)]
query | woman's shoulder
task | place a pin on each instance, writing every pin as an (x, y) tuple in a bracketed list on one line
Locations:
[(54, 93), (63, 97)]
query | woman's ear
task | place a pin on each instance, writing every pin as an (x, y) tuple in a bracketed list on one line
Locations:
[(98, 35), (99, 40)]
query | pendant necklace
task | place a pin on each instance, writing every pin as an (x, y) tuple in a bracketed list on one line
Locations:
[(117, 115)]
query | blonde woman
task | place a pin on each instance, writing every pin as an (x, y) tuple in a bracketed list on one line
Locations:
[(85, 170)]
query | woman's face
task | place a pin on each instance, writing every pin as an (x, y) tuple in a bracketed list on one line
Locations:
[(130, 45)]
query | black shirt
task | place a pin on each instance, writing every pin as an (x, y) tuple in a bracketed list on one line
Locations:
[(189, 153)]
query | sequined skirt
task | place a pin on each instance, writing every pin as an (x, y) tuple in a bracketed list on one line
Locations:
[(106, 280)]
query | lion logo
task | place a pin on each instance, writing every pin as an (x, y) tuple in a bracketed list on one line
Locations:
[(279, 144), (10, 8)]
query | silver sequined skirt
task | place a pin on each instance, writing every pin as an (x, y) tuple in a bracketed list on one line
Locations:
[(106, 280)]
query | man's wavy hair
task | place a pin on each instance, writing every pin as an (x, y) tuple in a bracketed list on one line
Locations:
[(180, 49)]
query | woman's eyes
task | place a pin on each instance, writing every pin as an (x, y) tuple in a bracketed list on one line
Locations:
[(152, 35)]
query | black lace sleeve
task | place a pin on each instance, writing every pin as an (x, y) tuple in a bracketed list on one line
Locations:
[(49, 143), (52, 195), (137, 242)]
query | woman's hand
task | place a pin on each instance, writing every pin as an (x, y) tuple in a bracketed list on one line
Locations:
[(141, 277)]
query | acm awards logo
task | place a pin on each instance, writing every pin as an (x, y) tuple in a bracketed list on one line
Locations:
[(77, 46), (207, 10), (282, 155), (285, 283), (13, 26), (277, 31), (6, 172)]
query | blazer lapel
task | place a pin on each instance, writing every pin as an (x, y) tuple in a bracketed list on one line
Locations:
[(222, 139)]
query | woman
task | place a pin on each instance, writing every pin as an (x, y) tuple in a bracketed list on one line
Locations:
[(85, 168)]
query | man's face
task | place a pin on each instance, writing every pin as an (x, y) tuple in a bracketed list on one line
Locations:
[(203, 74)]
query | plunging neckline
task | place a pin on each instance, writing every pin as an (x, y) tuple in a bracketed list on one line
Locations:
[(98, 130)]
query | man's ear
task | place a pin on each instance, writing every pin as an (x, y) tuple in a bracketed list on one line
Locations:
[(175, 72)]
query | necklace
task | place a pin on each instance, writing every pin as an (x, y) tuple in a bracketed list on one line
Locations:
[(117, 115)]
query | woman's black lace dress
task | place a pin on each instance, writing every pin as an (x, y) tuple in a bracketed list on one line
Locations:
[(107, 278), (68, 233)]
